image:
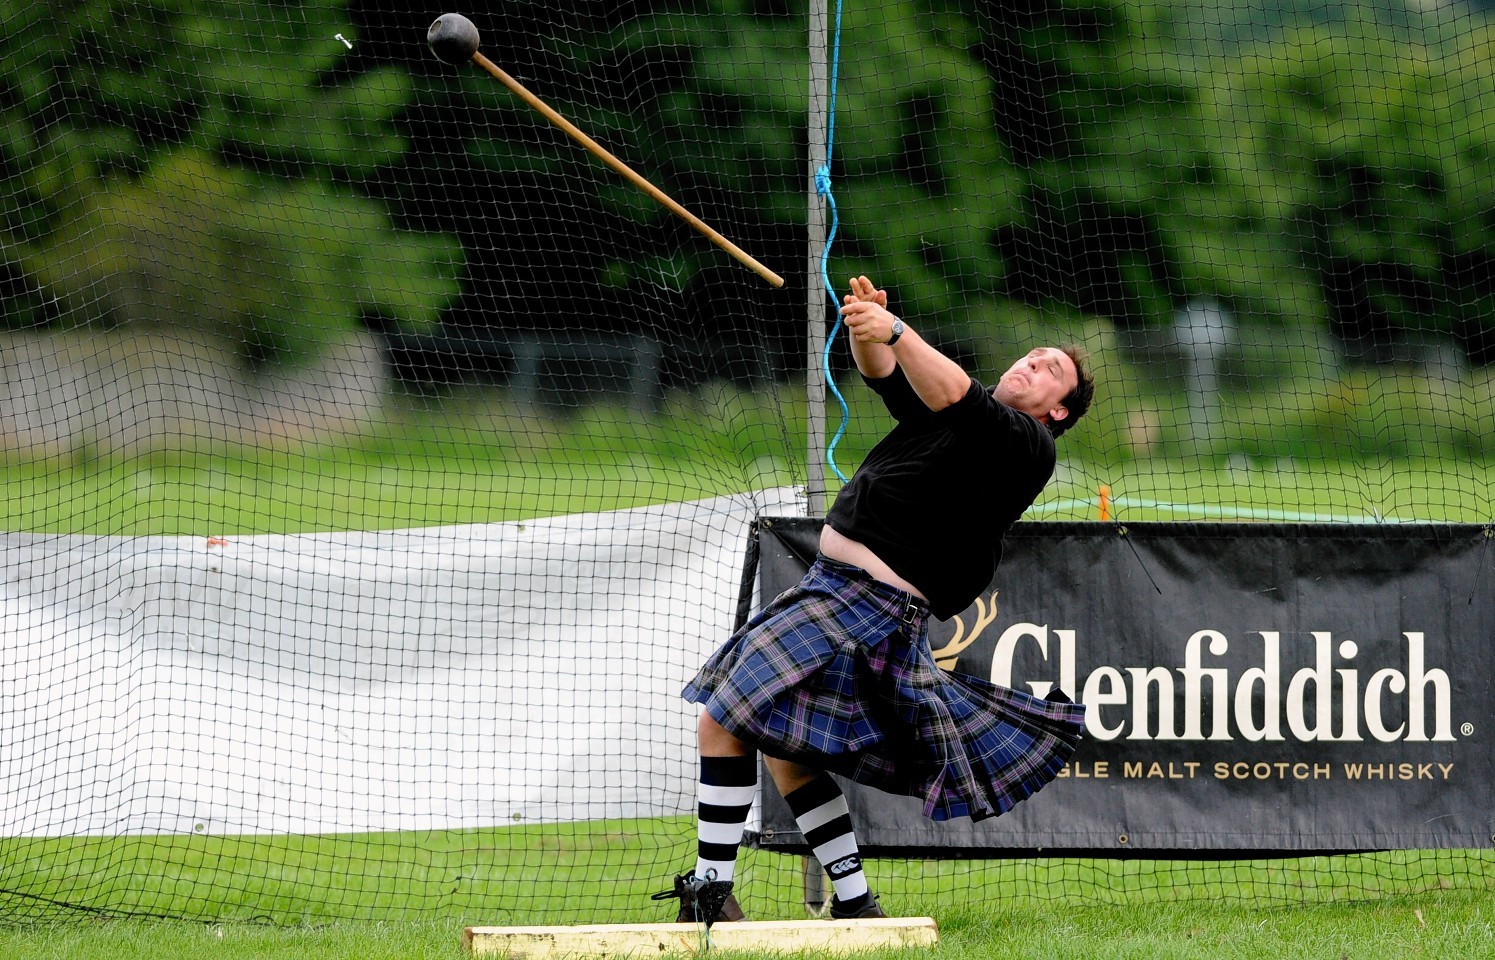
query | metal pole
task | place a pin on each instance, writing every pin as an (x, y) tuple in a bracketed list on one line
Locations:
[(815, 473), (819, 117)]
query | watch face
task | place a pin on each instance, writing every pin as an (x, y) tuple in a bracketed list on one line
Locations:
[(897, 327)]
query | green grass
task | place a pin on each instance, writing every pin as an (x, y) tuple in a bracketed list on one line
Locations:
[(221, 496), (526, 874), (474, 458), (1390, 905), (339, 487), (278, 493), (1447, 926), (1243, 488), (409, 895), (474, 461)]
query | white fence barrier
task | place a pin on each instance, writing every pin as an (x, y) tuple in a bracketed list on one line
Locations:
[(438, 678)]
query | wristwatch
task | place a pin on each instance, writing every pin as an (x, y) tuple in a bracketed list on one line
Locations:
[(897, 332)]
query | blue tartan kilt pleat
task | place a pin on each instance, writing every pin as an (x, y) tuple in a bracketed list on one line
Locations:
[(836, 673)]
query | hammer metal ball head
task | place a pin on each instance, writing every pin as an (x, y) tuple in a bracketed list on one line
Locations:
[(453, 38)]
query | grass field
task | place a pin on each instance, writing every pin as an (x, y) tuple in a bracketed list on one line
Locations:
[(1448, 926), (341, 489), (409, 896), (475, 460), (469, 466), (429, 886)]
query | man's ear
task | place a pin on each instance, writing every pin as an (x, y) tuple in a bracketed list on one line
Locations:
[(1058, 413)]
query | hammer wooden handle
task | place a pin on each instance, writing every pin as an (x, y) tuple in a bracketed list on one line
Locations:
[(602, 154)]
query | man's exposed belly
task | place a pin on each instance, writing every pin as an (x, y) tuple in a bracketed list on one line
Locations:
[(838, 546)]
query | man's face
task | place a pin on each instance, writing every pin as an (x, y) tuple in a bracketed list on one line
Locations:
[(1038, 383)]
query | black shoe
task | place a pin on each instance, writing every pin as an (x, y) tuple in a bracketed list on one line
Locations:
[(859, 908), (703, 901)]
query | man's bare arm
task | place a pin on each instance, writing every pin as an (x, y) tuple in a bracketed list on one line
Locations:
[(938, 380), (873, 356)]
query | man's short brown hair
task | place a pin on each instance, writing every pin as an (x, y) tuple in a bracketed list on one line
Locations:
[(1077, 401)]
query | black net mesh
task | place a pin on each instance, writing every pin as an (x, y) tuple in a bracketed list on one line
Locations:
[(378, 461)]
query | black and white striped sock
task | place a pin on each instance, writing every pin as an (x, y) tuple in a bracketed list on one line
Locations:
[(723, 801), (820, 809)]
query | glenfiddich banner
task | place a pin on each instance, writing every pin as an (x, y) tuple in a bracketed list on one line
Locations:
[(1251, 687)]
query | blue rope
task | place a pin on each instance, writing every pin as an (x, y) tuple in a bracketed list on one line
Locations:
[(823, 187)]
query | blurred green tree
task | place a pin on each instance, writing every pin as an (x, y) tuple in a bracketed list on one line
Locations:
[(1370, 154), (162, 164)]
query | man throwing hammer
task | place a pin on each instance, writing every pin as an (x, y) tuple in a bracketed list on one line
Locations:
[(835, 675)]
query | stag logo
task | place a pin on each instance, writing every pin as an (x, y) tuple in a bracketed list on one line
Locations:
[(986, 612)]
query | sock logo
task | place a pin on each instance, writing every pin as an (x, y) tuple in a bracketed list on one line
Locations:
[(843, 867)]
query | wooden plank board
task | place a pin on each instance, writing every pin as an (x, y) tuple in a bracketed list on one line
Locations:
[(652, 939)]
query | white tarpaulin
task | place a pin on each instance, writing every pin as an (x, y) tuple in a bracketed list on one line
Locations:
[(404, 680)]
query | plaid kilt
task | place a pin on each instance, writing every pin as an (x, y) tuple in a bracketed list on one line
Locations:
[(835, 673)]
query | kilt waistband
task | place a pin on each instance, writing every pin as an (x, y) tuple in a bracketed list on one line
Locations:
[(901, 605)]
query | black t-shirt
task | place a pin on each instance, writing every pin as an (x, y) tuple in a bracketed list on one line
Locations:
[(936, 495)]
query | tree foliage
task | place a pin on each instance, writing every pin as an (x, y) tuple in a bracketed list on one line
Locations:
[(165, 165), (1329, 167)]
